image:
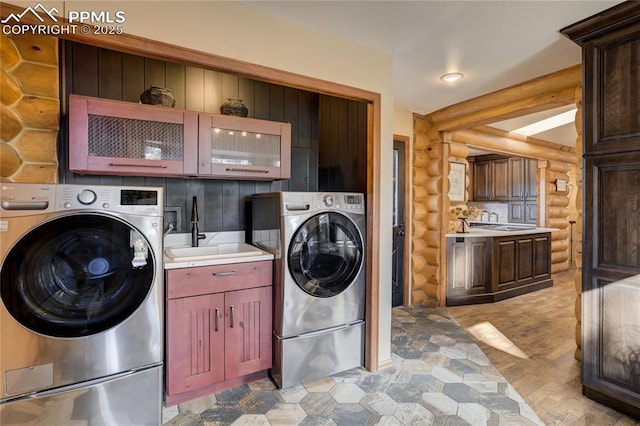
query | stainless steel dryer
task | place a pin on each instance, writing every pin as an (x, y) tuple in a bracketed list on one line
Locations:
[(81, 318), (319, 284)]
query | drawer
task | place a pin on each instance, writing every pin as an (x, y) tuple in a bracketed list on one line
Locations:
[(217, 279)]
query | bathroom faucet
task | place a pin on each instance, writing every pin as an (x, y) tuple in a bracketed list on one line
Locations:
[(170, 228), (195, 235)]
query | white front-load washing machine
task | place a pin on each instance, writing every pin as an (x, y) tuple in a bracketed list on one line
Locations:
[(81, 312), (319, 280)]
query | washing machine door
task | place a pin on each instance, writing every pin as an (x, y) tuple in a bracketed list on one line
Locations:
[(326, 254), (77, 275)]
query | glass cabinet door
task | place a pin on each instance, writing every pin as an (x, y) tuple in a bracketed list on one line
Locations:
[(125, 138), (244, 148)]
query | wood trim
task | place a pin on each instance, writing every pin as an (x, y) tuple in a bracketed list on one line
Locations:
[(444, 204), (158, 50), (372, 311), (385, 364), (406, 267), (542, 181), (615, 17)]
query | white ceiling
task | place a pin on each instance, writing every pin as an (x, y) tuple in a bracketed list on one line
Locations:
[(495, 44)]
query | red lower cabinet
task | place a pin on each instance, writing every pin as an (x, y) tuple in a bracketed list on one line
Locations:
[(219, 339)]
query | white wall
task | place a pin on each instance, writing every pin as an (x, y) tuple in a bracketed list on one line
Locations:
[(236, 31), (403, 122)]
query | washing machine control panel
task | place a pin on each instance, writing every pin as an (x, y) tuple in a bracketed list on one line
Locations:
[(87, 197), (18, 198)]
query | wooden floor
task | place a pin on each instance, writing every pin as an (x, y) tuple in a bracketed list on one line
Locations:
[(542, 326)]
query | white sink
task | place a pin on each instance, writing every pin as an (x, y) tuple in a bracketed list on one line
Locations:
[(211, 251)]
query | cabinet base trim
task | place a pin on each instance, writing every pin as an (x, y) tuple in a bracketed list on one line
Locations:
[(474, 299), (607, 399), (216, 387)]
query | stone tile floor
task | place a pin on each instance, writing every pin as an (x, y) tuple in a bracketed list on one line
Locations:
[(439, 377)]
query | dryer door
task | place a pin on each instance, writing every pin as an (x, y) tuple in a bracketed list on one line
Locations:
[(326, 254), (77, 275)]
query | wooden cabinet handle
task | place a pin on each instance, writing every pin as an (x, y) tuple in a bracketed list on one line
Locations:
[(217, 319), (240, 169), (158, 166), (231, 312), (223, 274)]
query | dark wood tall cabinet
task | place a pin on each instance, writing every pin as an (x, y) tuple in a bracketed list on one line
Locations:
[(611, 244), (490, 178)]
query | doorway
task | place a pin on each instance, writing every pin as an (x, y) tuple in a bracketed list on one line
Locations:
[(399, 274)]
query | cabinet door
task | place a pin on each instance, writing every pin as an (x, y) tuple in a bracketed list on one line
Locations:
[(542, 256), (531, 190), (195, 342), (243, 148), (468, 264), (525, 250), (530, 212), (611, 94), (505, 257), (125, 138), (500, 172), (516, 178), (517, 212), (247, 331), (482, 181)]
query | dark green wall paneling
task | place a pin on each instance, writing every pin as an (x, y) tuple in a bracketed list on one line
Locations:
[(342, 159), (92, 71)]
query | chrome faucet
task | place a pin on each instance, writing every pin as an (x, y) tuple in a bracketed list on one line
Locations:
[(195, 235), (170, 228)]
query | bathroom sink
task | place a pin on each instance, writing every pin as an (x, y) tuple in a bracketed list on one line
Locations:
[(211, 251)]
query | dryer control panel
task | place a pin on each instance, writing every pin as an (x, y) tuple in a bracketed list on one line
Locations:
[(303, 202)]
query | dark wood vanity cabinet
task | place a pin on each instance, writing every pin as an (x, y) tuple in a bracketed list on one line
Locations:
[(492, 268), (611, 223)]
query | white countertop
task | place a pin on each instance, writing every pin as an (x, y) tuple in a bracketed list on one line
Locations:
[(211, 238), (478, 233)]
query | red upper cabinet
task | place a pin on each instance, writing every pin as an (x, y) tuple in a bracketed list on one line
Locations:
[(243, 148), (124, 138)]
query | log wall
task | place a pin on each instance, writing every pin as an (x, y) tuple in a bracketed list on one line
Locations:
[(30, 108), (428, 173)]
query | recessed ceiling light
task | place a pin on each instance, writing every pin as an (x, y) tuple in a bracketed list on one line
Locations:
[(451, 77)]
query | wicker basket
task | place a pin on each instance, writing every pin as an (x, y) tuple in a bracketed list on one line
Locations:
[(234, 106)]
